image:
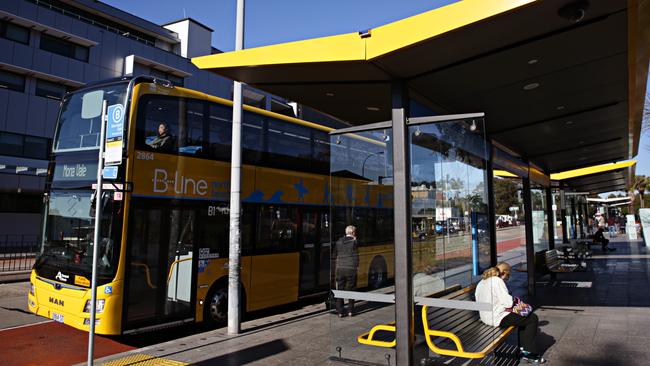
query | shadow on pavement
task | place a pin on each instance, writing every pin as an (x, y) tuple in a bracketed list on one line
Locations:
[(247, 355)]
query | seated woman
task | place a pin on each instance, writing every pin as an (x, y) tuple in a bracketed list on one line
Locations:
[(600, 238), (492, 289)]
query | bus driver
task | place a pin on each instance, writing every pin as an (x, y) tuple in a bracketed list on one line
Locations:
[(164, 140)]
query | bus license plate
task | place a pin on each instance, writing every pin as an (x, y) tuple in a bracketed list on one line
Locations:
[(57, 317)]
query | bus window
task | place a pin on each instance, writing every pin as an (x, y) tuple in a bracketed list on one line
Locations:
[(158, 119), (253, 143), (219, 132), (276, 229), (190, 133), (289, 142)]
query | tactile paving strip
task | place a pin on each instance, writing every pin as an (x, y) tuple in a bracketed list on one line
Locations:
[(143, 360)]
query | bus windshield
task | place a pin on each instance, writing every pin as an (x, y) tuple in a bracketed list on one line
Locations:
[(78, 129), (68, 235)]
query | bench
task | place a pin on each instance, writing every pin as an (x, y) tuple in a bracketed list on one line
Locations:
[(461, 333), (555, 265), (383, 335), (448, 332)]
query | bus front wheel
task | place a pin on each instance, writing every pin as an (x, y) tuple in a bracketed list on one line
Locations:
[(216, 305)]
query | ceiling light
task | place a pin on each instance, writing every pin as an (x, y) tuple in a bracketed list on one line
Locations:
[(560, 107), (568, 122), (581, 142), (533, 61), (582, 158), (329, 94), (374, 109), (531, 86), (473, 126)]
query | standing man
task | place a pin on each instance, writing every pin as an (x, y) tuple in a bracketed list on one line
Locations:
[(347, 262)]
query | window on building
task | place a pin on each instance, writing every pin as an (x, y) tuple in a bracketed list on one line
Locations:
[(64, 48), (10, 80), (21, 203), (49, 89), (33, 147), (14, 32)]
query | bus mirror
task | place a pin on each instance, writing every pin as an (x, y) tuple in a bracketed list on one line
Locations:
[(91, 105)]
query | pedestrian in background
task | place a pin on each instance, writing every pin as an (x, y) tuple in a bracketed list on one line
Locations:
[(347, 262)]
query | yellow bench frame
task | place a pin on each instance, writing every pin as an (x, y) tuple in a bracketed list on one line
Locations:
[(430, 334)]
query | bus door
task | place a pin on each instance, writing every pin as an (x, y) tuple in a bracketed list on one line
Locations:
[(161, 271), (314, 251)]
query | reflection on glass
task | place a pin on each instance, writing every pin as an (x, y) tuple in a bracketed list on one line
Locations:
[(539, 219), (362, 246), (449, 205)]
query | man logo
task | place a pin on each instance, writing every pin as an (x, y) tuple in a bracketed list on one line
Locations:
[(56, 301), (62, 277)]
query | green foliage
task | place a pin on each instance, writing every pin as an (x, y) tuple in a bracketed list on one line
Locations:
[(505, 196)]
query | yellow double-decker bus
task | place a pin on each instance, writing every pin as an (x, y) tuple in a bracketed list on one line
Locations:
[(163, 252)]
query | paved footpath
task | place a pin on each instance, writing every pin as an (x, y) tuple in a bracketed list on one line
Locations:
[(603, 325)]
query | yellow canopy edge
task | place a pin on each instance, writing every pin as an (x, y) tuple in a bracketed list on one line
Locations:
[(342, 47), (351, 47), (592, 170), (503, 173), (409, 31)]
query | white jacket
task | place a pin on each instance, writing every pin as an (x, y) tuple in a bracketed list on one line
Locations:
[(493, 291)]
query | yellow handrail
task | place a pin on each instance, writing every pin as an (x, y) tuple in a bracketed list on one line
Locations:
[(171, 267), (146, 271), (371, 342)]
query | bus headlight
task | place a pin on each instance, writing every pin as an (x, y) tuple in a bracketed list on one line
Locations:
[(31, 289), (99, 308)]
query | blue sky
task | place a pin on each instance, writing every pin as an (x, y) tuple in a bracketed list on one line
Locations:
[(277, 21)]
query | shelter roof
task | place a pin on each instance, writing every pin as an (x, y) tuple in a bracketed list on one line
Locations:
[(563, 94)]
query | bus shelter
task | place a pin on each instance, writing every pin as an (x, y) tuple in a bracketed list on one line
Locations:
[(439, 104)]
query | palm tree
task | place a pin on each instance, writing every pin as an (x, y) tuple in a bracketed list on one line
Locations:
[(638, 184)]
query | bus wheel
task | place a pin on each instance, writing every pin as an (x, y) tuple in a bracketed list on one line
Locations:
[(216, 310), (216, 304), (377, 275)]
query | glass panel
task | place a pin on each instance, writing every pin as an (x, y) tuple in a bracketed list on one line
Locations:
[(539, 219), (36, 147), (74, 131), (362, 246), (182, 237), (220, 131), (158, 122), (277, 229), (81, 53), (17, 33), (68, 235), (49, 89), (12, 81), (450, 233), (11, 144), (190, 140), (510, 221), (56, 45)]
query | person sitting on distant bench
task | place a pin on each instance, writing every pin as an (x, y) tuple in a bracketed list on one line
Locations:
[(600, 238)]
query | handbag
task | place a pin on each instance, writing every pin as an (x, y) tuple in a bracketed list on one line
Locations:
[(520, 308)]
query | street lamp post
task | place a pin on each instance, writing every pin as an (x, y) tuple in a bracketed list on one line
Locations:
[(363, 166), (641, 190)]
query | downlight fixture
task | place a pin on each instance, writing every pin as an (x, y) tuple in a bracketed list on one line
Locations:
[(472, 127)]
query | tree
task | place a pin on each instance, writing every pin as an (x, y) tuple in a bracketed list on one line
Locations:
[(639, 184), (505, 195)]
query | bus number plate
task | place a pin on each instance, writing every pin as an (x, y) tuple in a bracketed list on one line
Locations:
[(57, 317)]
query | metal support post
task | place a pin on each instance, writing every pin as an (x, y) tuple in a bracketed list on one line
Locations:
[(96, 234), (491, 208), (550, 218), (234, 323), (574, 220), (402, 207), (530, 244), (581, 219), (565, 239)]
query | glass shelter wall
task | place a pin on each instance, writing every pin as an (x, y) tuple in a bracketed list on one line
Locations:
[(361, 197)]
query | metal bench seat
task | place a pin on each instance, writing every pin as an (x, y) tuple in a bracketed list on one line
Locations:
[(460, 333)]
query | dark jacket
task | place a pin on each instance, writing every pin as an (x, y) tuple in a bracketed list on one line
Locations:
[(346, 253)]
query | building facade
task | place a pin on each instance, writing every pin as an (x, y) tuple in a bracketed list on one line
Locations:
[(49, 47)]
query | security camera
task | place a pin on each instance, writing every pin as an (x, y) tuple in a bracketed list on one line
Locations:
[(574, 11)]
